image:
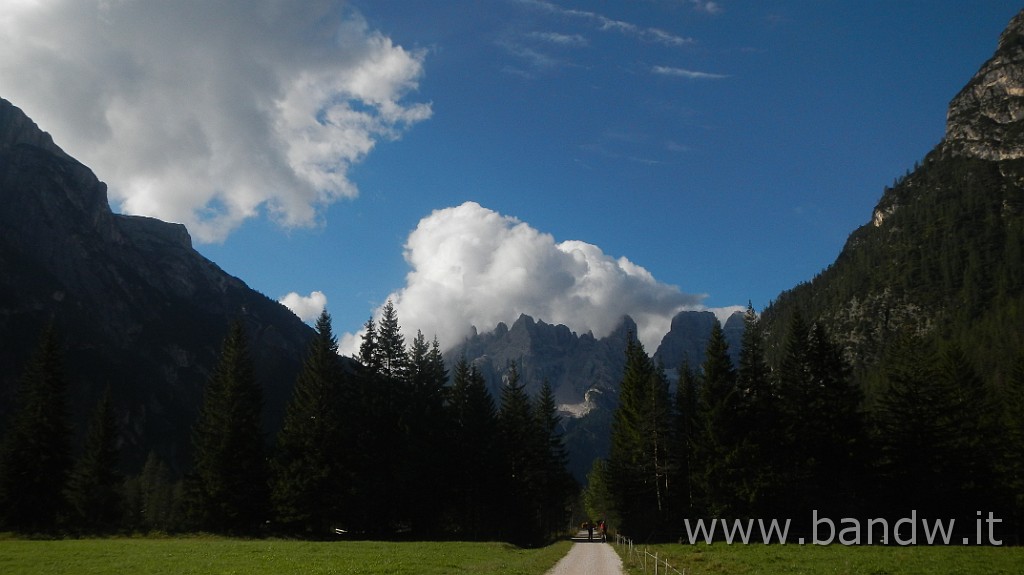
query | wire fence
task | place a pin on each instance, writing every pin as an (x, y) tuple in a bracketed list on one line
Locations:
[(644, 558)]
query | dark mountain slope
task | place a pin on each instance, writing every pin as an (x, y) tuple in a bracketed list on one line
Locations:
[(137, 307), (944, 253)]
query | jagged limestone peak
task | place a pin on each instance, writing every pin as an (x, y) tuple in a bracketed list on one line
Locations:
[(986, 119)]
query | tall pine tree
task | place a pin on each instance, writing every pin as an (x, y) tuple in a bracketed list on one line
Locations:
[(35, 456), (308, 475), (475, 476), (759, 410), (639, 462), (934, 430), (522, 450), (839, 439), (821, 431), (424, 420), (380, 497), (684, 444), (390, 346), (1011, 461), (229, 488), (972, 416), (556, 484), (718, 443), (153, 500), (95, 489)]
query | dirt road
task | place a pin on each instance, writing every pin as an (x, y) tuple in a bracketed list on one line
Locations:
[(588, 558)]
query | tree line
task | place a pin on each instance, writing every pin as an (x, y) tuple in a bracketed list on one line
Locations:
[(756, 440), (390, 445)]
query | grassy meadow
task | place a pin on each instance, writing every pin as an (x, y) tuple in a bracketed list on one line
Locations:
[(722, 559), (210, 555)]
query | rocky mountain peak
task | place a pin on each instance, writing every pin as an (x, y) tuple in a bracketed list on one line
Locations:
[(986, 119), (18, 129), (29, 154), (687, 339)]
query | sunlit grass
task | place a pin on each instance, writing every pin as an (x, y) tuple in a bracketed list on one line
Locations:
[(723, 559), (210, 555)]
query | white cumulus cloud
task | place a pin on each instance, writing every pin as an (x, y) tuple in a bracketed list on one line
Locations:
[(307, 307), (473, 267), (209, 113)]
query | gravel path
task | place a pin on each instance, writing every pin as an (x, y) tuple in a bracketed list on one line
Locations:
[(588, 558)]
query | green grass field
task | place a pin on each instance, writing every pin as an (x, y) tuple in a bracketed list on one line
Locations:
[(212, 555), (209, 555), (722, 559)]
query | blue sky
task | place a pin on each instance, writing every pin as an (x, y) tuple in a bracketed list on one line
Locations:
[(727, 148)]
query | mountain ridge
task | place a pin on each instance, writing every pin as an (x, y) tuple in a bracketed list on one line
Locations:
[(583, 371), (140, 310)]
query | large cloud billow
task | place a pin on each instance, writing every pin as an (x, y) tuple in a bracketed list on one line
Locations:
[(472, 267), (209, 113)]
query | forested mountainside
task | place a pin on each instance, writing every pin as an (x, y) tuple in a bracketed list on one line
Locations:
[(891, 385), (943, 255)]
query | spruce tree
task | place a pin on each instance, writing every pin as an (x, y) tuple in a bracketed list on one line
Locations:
[(753, 376), (229, 491), (938, 432), (759, 411), (915, 430), (556, 484), (797, 413), (837, 439), (307, 470), (390, 450), (972, 417), (821, 431), (717, 446), (390, 345), (424, 427), (521, 450), (35, 456), (95, 489), (1011, 462), (380, 453), (368, 354), (639, 462), (153, 500), (475, 475), (684, 465)]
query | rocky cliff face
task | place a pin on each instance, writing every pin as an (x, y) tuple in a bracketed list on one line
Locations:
[(688, 337), (571, 363), (139, 309), (986, 119)]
